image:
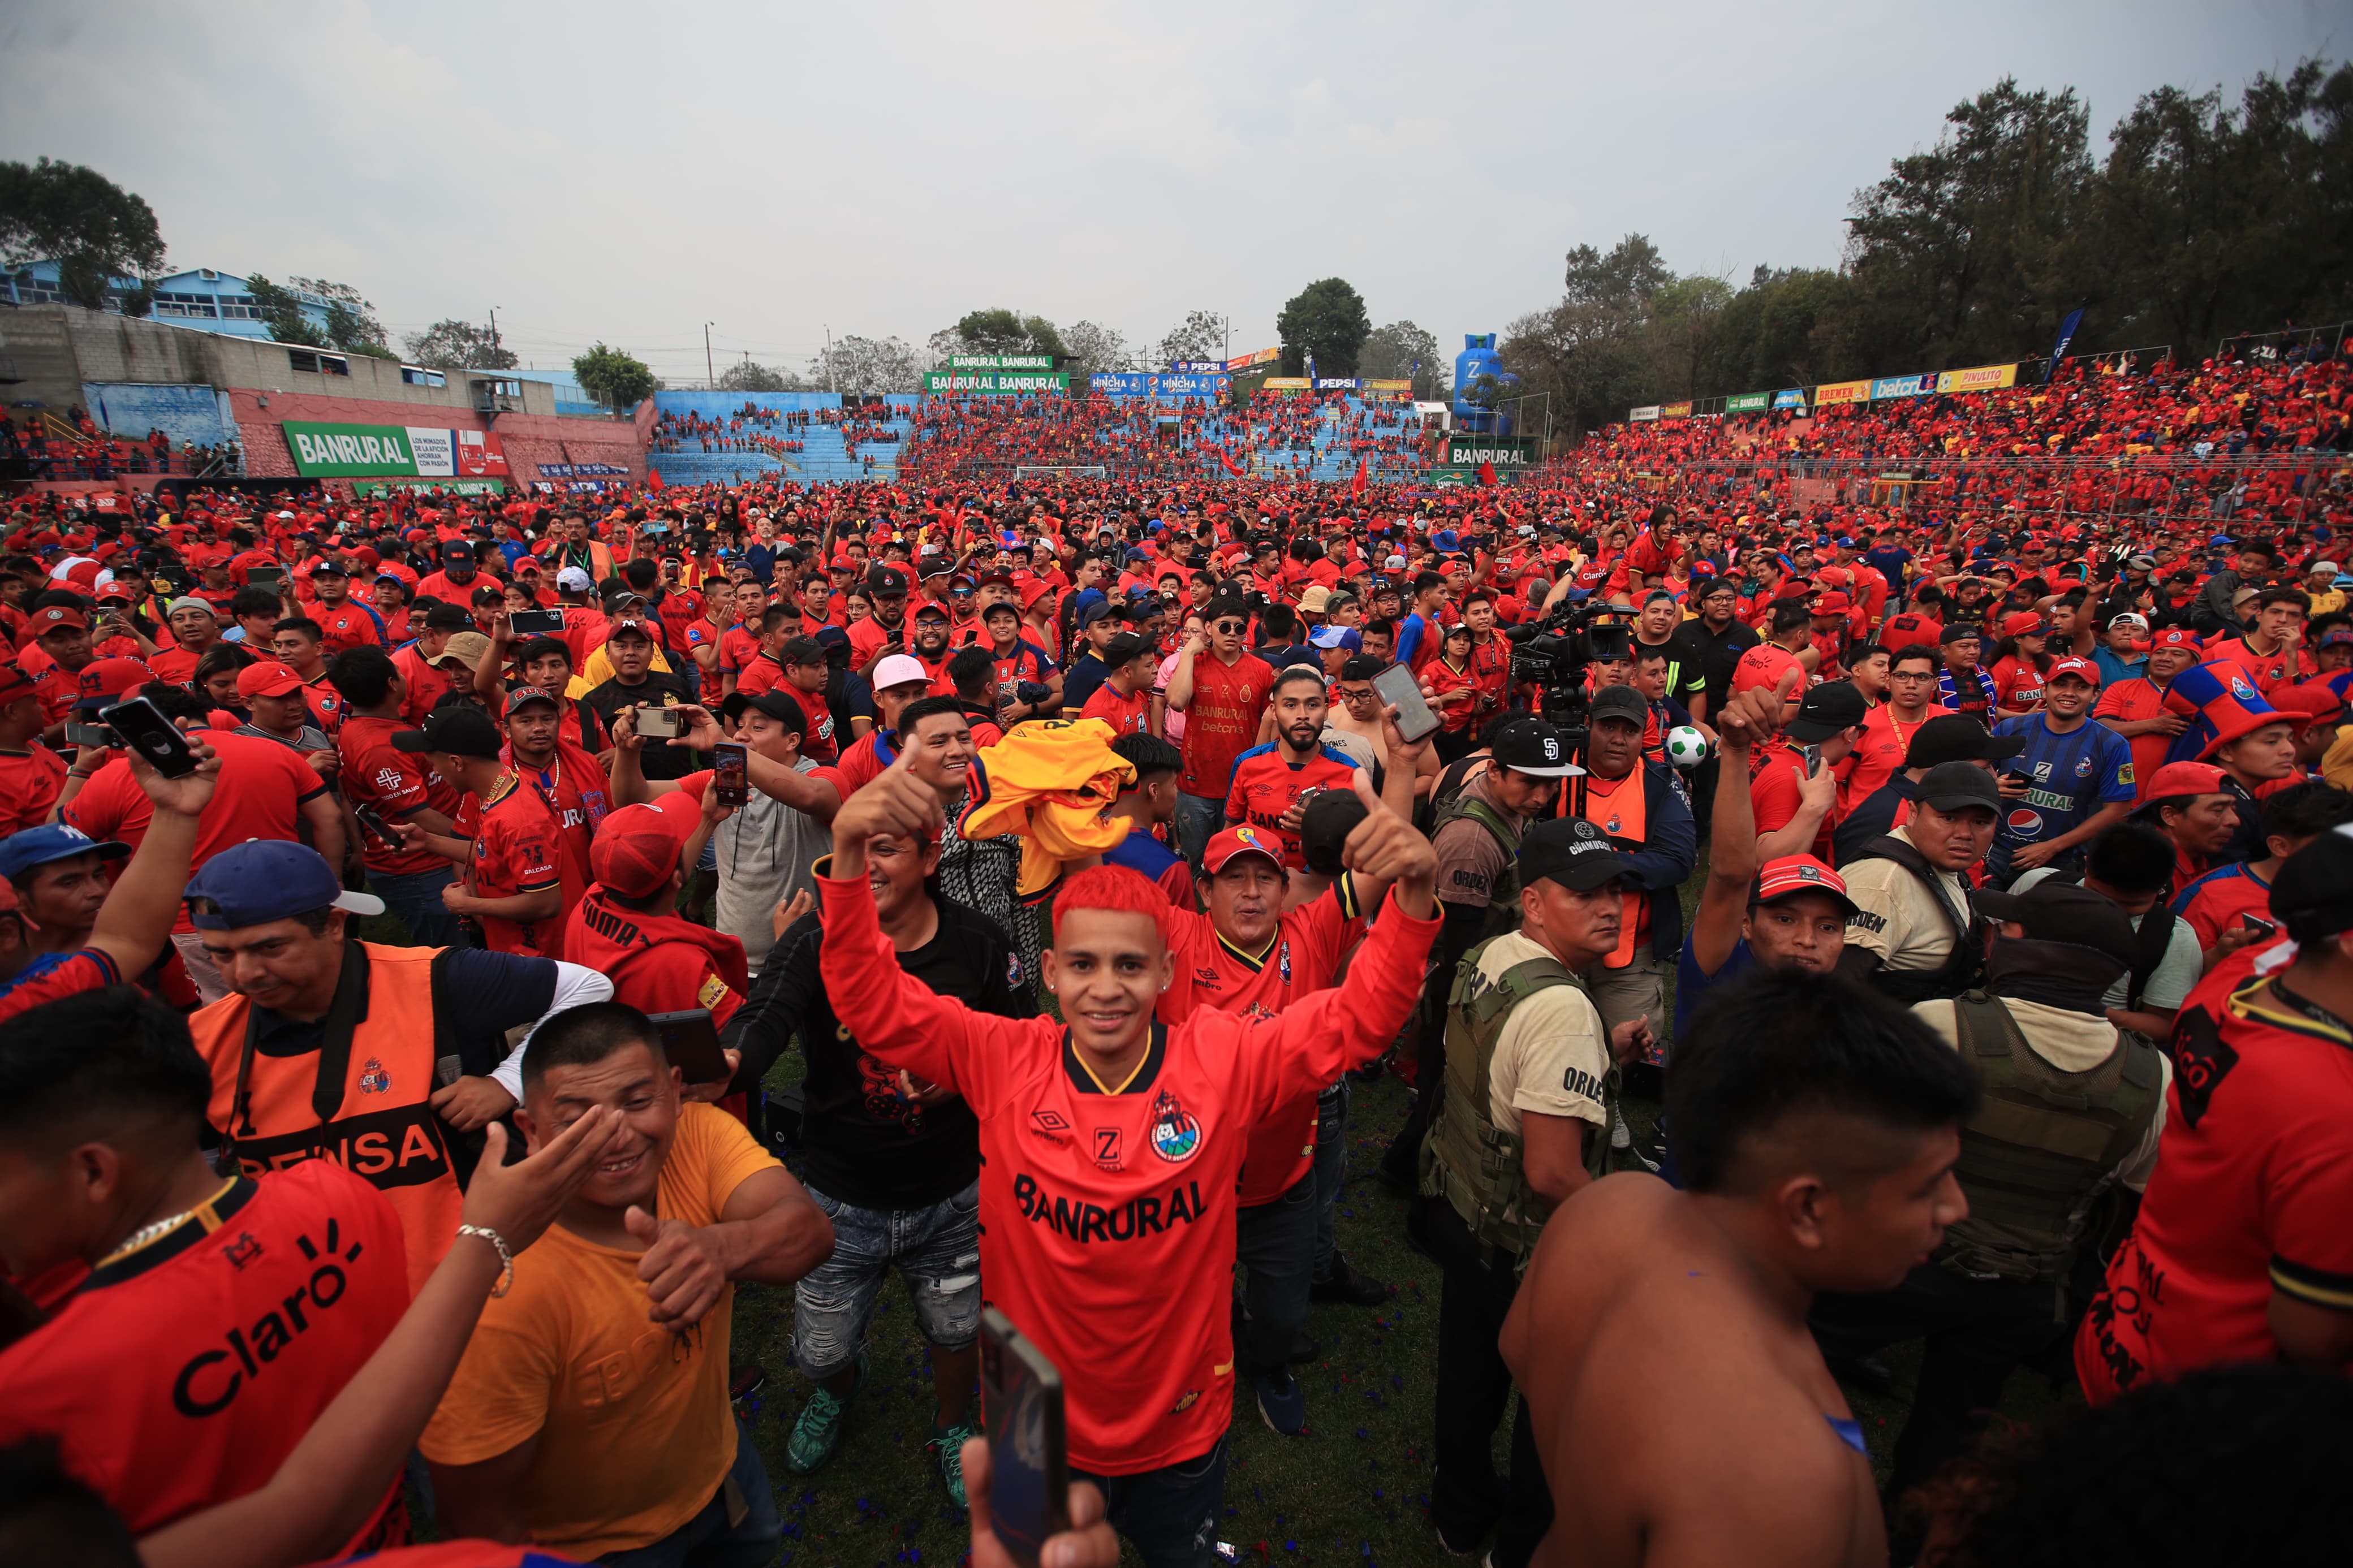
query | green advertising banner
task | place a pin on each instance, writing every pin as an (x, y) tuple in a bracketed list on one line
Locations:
[(1503, 451), (938, 381), (1448, 478), (1001, 361), (343, 451), (1748, 402)]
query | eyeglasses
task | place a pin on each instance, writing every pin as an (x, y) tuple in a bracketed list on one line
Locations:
[(1230, 628)]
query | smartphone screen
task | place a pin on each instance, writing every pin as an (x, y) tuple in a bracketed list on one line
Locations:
[(691, 1044), (1399, 689), (145, 730), (375, 824), (1021, 1404), (263, 576), (2257, 924), (730, 774), (90, 735), (536, 623)]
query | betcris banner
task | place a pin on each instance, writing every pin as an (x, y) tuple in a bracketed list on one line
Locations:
[(1790, 397), (1903, 386)]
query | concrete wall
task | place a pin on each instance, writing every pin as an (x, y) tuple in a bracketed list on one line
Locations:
[(529, 439)]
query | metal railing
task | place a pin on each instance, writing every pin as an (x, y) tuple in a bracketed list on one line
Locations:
[(2273, 347)]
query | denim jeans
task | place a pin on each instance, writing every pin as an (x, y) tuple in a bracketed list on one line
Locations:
[(937, 1249), (1330, 1170), (708, 1540), (1276, 1243), (1169, 1515), (415, 898), (1198, 820)]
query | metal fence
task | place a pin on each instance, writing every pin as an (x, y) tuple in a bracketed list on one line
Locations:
[(2285, 345)]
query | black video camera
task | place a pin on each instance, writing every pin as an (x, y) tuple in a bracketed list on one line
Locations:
[(1554, 653)]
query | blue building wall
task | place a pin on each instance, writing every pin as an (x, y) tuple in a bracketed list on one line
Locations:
[(203, 297)]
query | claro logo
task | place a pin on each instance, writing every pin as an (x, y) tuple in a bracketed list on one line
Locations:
[(212, 1379)]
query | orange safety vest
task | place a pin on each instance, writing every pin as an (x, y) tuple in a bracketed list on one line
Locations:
[(1622, 810), (383, 1130)]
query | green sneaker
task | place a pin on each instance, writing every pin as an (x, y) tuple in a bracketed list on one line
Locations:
[(949, 1445), (818, 1433)]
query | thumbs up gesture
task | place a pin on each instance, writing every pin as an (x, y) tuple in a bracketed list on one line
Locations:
[(681, 1267)]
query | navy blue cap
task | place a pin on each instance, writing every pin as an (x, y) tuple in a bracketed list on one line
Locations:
[(266, 879), (20, 852)]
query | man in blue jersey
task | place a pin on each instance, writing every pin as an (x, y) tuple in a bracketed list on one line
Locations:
[(2079, 773)]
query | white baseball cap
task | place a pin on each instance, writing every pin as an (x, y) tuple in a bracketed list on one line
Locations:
[(573, 580), (899, 670)]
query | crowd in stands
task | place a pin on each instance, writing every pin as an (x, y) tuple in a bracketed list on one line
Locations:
[(86, 452), (404, 905)]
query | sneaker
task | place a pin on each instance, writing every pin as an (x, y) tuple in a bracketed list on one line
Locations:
[(1283, 1403), (1348, 1285), (949, 1445), (1620, 1135), (818, 1433)]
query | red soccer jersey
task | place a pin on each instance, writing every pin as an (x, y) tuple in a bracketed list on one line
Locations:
[(1267, 782), (1222, 721), (1129, 715), (2252, 1185), (51, 977), (518, 849), (1107, 1219), (393, 783), (346, 626), (176, 665), (181, 1373), (2213, 903), (1878, 757), (2017, 685), (29, 782), (2129, 702), (1302, 958), (2269, 672)]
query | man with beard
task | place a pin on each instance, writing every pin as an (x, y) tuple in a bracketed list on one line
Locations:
[(637, 684), (1274, 783), (932, 636), (885, 631), (342, 621)]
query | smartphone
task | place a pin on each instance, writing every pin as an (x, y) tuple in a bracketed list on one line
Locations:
[(536, 623), (691, 1043), (659, 721), (1028, 1451), (144, 729), (1400, 691), (1813, 755), (90, 735), (374, 823), (2257, 924), (263, 576), (730, 774)]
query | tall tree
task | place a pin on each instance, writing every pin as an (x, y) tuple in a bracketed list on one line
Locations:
[(619, 378), (1326, 320), (749, 376), (91, 227), (1684, 316), (868, 366), (1004, 332), (352, 325), (1097, 350), (1201, 335), (1589, 351), (451, 345), (282, 310), (1403, 351)]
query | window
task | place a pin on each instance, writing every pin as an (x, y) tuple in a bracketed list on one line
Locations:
[(238, 307), (417, 375), (323, 364), (168, 303)]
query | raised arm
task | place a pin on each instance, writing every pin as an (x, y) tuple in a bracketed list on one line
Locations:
[(136, 920)]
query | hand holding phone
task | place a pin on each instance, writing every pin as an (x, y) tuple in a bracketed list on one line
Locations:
[(1028, 1451), (730, 774)]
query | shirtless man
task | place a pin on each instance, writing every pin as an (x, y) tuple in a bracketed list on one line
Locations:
[(1660, 1336), (1354, 724)]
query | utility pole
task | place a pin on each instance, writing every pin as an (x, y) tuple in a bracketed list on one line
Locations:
[(832, 375), (495, 332), (710, 374)]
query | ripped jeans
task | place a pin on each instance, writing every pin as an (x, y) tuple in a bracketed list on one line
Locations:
[(937, 1249)]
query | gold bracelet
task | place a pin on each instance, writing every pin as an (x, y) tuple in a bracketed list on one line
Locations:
[(506, 1258)]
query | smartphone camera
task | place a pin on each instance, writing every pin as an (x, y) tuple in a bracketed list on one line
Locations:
[(661, 722)]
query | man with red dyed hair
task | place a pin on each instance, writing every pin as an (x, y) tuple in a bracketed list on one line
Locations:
[(1111, 1143)]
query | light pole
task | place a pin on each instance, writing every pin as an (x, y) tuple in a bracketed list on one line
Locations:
[(494, 334), (710, 374)]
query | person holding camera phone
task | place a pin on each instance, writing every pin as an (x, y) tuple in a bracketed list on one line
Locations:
[(635, 685)]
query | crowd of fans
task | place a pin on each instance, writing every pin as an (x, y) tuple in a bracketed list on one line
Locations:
[(42, 451), (404, 906)]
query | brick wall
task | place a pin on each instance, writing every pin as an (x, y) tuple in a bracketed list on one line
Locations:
[(530, 439)]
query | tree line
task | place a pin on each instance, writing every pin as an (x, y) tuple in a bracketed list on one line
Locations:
[(2204, 219)]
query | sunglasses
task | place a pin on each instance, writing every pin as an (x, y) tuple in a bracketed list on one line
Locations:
[(1230, 628)]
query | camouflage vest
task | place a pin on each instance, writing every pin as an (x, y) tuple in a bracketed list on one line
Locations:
[(1504, 899)]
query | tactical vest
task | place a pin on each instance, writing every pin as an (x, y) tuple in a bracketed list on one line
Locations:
[(2043, 1145), (1964, 967), (1466, 1158), (1503, 898)]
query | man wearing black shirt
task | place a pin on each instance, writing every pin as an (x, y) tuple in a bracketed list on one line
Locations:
[(893, 1162), (1097, 624), (630, 645), (1711, 646)]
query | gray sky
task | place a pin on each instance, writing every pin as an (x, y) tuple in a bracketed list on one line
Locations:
[(630, 172)]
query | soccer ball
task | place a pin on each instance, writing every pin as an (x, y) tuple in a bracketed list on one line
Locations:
[(1686, 747)]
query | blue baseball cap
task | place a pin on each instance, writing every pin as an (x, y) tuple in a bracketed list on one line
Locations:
[(20, 852), (266, 879)]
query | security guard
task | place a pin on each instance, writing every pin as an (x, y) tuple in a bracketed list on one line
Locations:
[(1912, 935), (2072, 1108), (1524, 1122)]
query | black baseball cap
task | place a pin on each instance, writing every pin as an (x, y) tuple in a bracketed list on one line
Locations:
[(1958, 786), (1959, 630), (1956, 738), (458, 727), (1323, 827), (2312, 895), (1572, 852), (1620, 702), (447, 618), (2064, 911), (1533, 747), (1124, 646), (1828, 710), (886, 580)]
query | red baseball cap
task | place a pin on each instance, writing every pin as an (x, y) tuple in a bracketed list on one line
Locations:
[(14, 683), (2083, 669), (59, 617), (1832, 605), (2181, 778), (2178, 637), (1800, 874), (268, 677), (1242, 840), (105, 679), (636, 847), (2026, 623)]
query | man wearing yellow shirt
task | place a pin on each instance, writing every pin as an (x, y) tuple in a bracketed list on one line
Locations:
[(590, 1413)]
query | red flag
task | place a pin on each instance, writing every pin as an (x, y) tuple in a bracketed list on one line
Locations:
[(1487, 475), (1237, 469), (1356, 485), (653, 480)]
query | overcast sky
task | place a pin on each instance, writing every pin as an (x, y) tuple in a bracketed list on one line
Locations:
[(630, 172)]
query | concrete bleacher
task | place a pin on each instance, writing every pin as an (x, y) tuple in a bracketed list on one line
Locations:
[(826, 459)]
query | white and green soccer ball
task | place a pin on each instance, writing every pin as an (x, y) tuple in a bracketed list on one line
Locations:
[(1686, 747)]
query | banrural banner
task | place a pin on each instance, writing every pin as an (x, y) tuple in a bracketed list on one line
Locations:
[(1503, 451), (1001, 361), (368, 452), (1748, 402), (382, 488), (1837, 392), (1981, 378), (1285, 384), (935, 381)]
